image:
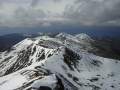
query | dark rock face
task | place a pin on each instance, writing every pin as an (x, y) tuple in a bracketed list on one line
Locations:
[(60, 85), (23, 58), (71, 58), (44, 88)]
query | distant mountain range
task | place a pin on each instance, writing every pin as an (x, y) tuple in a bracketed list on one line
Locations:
[(61, 62), (106, 46)]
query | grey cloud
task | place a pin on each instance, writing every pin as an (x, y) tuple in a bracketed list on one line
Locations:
[(82, 12), (34, 2), (94, 12), (57, 0), (14, 1), (23, 17), (28, 16)]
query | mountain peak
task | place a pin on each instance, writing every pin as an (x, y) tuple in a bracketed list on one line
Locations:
[(83, 36), (64, 35)]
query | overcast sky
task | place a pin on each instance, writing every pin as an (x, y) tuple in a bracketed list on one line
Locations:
[(45, 13)]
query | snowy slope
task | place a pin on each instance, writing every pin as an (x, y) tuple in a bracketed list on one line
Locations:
[(22, 55), (83, 36), (62, 65)]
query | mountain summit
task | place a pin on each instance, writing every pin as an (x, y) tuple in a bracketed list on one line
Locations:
[(63, 62), (83, 36)]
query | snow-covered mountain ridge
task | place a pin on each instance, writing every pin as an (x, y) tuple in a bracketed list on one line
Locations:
[(59, 63)]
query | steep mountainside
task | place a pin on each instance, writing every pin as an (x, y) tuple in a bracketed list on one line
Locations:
[(59, 63)]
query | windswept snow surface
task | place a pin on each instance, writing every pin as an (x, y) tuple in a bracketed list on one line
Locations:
[(58, 63)]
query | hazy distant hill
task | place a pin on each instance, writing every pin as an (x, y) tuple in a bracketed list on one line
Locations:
[(6, 41)]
